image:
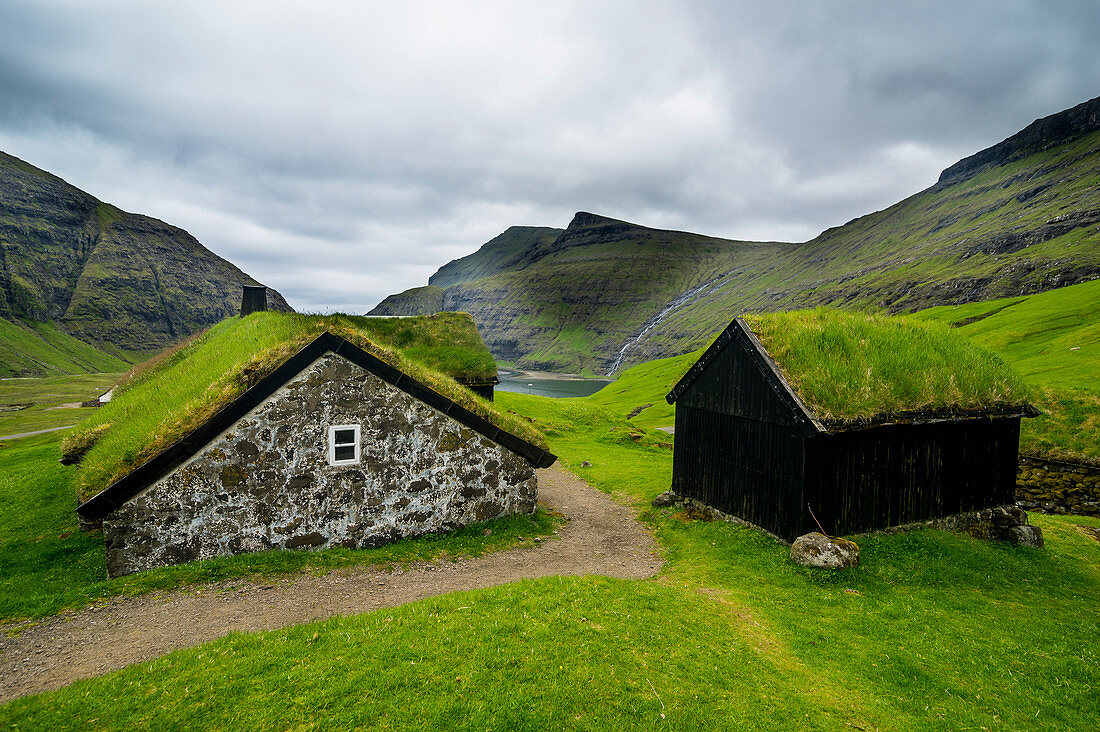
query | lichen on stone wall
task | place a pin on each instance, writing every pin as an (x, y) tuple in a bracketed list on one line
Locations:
[(1057, 487), (266, 483)]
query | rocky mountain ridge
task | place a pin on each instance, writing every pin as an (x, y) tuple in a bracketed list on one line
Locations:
[(104, 275)]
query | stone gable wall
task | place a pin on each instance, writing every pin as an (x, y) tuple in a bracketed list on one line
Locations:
[(1054, 486), (266, 483)]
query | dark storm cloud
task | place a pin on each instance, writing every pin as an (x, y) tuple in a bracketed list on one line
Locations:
[(343, 151)]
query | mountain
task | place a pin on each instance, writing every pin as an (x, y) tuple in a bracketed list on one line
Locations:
[(566, 300), (1018, 218), (106, 277)]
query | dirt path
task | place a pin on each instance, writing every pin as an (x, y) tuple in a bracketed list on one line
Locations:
[(601, 537), (32, 434)]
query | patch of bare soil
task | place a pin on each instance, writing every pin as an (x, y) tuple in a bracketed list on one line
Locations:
[(1091, 531), (601, 537)]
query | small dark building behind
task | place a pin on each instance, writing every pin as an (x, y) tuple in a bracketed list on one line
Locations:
[(748, 445)]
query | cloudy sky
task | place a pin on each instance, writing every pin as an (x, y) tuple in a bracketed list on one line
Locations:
[(341, 151)]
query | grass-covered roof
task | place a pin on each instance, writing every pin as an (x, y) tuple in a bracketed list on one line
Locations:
[(853, 367), (171, 395)]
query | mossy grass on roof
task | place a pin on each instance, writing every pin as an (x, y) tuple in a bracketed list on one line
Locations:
[(176, 392), (851, 367)]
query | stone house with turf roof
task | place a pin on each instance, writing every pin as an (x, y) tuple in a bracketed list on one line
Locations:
[(333, 448), (750, 443)]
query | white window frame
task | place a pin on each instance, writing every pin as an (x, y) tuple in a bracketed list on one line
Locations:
[(332, 444)]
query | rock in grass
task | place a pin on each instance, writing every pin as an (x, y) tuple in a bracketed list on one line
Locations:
[(667, 498), (818, 550), (1026, 535)]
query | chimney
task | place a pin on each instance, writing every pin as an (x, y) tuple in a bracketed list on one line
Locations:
[(254, 299)]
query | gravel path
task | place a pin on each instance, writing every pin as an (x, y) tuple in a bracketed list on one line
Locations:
[(601, 537)]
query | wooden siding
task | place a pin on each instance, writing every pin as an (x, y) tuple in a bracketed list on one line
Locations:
[(747, 468), (898, 474), (734, 384)]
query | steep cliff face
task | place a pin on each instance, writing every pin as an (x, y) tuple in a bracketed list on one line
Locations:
[(1042, 134), (1019, 218), (101, 274)]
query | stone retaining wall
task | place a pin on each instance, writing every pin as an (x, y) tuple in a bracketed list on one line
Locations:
[(1054, 486)]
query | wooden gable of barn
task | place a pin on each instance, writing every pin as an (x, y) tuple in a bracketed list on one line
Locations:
[(735, 376)]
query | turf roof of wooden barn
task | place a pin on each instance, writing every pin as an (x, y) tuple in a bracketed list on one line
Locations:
[(847, 370), (164, 401)]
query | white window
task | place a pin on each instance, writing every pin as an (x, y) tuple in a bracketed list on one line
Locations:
[(343, 444)]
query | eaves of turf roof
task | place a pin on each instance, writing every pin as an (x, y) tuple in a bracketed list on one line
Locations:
[(739, 331), (146, 474)]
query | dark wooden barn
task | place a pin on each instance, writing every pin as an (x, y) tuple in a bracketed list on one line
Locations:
[(748, 445)]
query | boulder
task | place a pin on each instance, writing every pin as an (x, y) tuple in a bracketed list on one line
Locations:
[(818, 550), (667, 498), (1026, 535)]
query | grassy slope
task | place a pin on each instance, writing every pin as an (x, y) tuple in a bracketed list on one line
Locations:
[(933, 631), (1053, 341), (1052, 338), (179, 390), (30, 348), (937, 246), (572, 305), (499, 253)]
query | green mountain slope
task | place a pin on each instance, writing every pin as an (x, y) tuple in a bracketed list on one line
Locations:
[(103, 275), (31, 348), (569, 303), (1019, 218)]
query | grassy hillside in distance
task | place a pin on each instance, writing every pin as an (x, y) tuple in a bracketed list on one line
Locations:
[(29, 405), (40, 348), (1020, 228), (1053, 341), (414, 301), (1052, 338), (1018, 218), (579, 299), (504, 252)]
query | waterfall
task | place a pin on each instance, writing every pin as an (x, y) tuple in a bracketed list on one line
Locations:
[(681, 300)]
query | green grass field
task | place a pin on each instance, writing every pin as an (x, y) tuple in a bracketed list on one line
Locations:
[(932, 631), (29, 404)]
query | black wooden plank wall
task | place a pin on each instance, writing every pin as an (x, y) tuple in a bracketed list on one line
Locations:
[(899, 474), (750, 469)]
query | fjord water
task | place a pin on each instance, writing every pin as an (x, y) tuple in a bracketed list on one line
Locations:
[(551, 385)]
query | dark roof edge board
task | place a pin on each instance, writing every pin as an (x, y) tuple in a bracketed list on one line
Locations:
[(739, 329), (164, 462), (932, 416)]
